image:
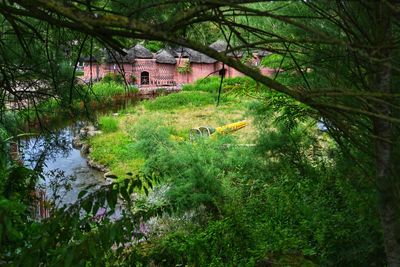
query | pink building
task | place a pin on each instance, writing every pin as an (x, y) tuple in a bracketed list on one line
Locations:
[(167, 67)]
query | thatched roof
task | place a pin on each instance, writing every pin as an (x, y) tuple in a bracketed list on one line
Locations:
[(164, 57), (197, 57), (89, 59), (172, 51), (180, 51), (115, 57), (263, 53), (139, 51), (236, 53), (130, 55), (219, 46)]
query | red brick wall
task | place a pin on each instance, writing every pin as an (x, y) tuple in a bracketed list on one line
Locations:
[(164, 74)]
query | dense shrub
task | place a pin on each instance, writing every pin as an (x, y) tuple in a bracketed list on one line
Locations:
[(288, 201), (113, 77)]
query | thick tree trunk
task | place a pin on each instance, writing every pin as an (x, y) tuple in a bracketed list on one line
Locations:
[(386, 179), (387, 193)]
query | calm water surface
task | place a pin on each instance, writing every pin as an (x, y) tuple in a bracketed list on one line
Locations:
[(64, 169)]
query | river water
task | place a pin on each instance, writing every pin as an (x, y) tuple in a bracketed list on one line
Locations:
[(64, 169)]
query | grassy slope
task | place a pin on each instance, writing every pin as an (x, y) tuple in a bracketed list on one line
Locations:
[(179, 112)]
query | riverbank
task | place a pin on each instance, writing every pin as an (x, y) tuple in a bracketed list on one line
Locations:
[(28, 114)]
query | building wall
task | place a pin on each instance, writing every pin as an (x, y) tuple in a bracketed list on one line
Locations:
[(201, 70), (182, 78), (96, 73), (163, 74)]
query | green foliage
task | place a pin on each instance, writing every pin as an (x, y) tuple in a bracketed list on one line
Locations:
[(186, 68), (104, 91), (113, 77), (154, 46), (111, 148), (275, 61), (77, 234), (210, 84), (16, 186), (178, 100), (149, 137), (132, 79), (79, 73), (108, 124), (237, 85), (286, 200)]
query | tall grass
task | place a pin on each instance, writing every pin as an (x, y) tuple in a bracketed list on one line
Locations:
[(180, 100), (108, 124), (212, 85), (106, 89)]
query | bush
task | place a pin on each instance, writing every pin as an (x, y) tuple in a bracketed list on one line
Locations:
[(212, 85), (132, 79), (113, 77), (79, 73), (179, 100), (133, 89), (108, 124), (288, 201), (105, 90), (275, 61), (154, 46)]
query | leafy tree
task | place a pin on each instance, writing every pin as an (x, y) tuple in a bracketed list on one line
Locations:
[(340, 60)]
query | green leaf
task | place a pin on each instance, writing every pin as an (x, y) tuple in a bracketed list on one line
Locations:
[(112, 197), (124, 193), (81, 194), (87, 205)]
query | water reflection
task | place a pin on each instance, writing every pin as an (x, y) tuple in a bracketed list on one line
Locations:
[(64, 170)]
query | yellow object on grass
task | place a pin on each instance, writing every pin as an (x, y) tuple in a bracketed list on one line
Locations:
[(205, 131), (232, 127)]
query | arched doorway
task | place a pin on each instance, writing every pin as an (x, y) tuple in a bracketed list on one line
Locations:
[(144, 78)]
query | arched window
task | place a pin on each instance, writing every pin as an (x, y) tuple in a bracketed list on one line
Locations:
[(144, 78)]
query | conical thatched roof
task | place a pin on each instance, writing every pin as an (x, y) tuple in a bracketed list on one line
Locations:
[(172, 51), (180, 51), (130, 55), (197, 57), (164, 57), (219, 46), (114, 57), (139, 51)]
